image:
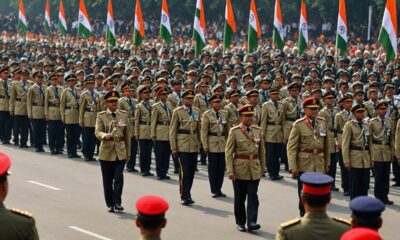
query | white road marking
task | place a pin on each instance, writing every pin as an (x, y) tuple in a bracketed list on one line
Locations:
[(45, 185), (89, 233)]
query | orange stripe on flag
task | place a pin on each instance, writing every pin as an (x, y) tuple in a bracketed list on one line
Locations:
[(165, 7), (231, 17), (254, 10), (303, 10), (202, 17), (110, 9), (48, 7), (278, 11), (342, 11), (62, 9), (22, 8), (391, 6), (82, 8), (138, 12)]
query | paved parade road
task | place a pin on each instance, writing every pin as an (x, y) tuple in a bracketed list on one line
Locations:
[(66, 199)]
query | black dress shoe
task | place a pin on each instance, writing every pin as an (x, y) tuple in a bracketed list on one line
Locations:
[(118, 207), (164, 177), (190, 201), (276, 178), (39, 150), (147, 174), (16, 144), (388, 202), (89, 159), (221, 194), (60, 151), (184, 202), (241, 228), (203, 163), (76, 156), (23, 146), (110, 209), (253, 226), (214, 195)]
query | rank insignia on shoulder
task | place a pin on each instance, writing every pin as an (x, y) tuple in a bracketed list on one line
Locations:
[(341, 220), (21, 212), (290, 223)]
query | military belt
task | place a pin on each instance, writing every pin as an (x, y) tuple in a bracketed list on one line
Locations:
[(357, 148), (37, 104), (71, 107), (144, 122), (246, 157), (117, 139), (89, 110), (165, 123), (183, 131), (216, 134), (311, 150), (291, 119), (18, 99), (54, 105), (379, 142), (274, 123), (3, 97)]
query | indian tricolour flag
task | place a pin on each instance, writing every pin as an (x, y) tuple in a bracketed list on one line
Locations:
[(303, 36), (110, 29), (165, 26), (84, 27), (341, 32), (254, 31), (62, 21), (47, 23), (22, 23), (230, 26), (138, 34), (277, 33), (388, 34), (199, 27)]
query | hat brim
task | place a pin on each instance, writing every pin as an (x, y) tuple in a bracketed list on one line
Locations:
[(312, 106), (112, 99), (247, 113)]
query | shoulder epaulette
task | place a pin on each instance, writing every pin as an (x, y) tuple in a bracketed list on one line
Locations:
[(196, 108), (102, 113), (320, 118), (178, 108), (300, 120), (120, 110), (255, 126), (374, 119), (341, 220), (235, 127), (21, 212), (207, 111), (155, 104), (290, 223)]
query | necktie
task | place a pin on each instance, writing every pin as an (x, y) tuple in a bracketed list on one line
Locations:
[(165, 108), (206, 100), (248, 129), (313, 123), (217, 113), (93, 97), (276, 105), (113, 115), (56, 92), (130, 102), (5, 87), (190, 111), (360, 123), (383, 123), (24, 86)]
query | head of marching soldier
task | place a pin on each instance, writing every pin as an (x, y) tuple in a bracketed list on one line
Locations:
[(381, 108), (366, 212), (71, 79), (38, 77), (89, 82), (389, 90), (112, 100), (215, 101), (316, 191), (329, 98), (294, 90), (246, 114), (128, 90), (311, 107), (161, 93), (187, 97), (151, 215), (5, 163), (252, 96), (358, 112), (234, 96), (144, 92), (274, 93), (53, 78)]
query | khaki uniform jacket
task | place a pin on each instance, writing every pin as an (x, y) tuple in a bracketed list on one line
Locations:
[(111, 150), (291, 112), (123, 104), (69, 106), (160, 120), (329, 116), (52, 102), (272, 120), (257, 115), (184, 131), (243, 101), (102, 101), (341, 119), (17, 225), (35, 102), (370, 109), (4, 95), (214, 131), (381, 140), (200, 102), (354, 136), (143, 121), (313, 226), (88, 108), (397, 141), (239, 144), (174, 100), (18, 98), (303, 138), (232, 115)]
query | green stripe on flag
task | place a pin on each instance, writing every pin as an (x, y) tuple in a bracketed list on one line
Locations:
[(84, 31), (164, 33), (278, 41), (22, 26), (47, 27), (110, 37), (302, 44), (199, 43), (384, 38), (228, 35), (253, 39), (341, 44), (62, 28), (137, 39)]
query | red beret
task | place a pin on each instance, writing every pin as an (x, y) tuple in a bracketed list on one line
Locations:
[(246, 110), (5, 163), (151, 205), (311, 103), (361, 234)]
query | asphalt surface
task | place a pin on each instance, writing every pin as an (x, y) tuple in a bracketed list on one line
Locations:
[(66, 199)]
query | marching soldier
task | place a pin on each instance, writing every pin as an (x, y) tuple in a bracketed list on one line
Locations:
[(292, 112), (18, 109), (108, 85), (328, 113), (315, 224), (175, 98), (355, 151), (202, 103), (143, 130), (340, 120), (213, 134), (128, 104), (88, 108), (69, 107), (15, 223), (272, 119), (245, 164), (35, 105), (5, 119), (231, 108), (381, 130), (308, 146), (53, 116), (252, 98), (185, 142), (371, 103), (160, 120), (112, 129)]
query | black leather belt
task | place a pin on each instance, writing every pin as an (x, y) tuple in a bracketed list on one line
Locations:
[(88, 110), (38, 105), (165, 123), (54, 105), (183, 131), (71, 107), (144, 122), (3, 97), (291, 119), (379, 142), (357, 148), (274, 123), (216, 134), (18, 99)]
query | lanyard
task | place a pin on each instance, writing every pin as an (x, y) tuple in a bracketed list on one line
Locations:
[(56, 92), (147, 106), (5, 87), (165, 108), (73, 93)]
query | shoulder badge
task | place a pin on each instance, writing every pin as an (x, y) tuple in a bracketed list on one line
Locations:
[(320, 118), (155, 104), (341, 220), (102, 113), (195, 108), (21, 212), (255, 126), (121, 111), (290, 223), (235, 127), (178, 108), (299, 120)]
